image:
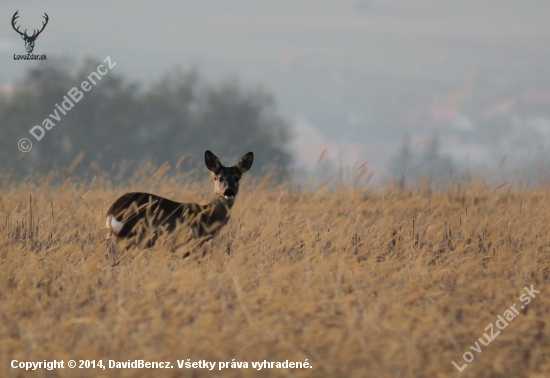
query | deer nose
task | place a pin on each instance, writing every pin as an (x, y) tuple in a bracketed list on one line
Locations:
[(229, 193)]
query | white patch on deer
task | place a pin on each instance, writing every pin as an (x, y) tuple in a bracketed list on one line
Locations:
[(113, 224)]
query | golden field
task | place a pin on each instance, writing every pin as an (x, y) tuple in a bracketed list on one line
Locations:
[(360, 282)]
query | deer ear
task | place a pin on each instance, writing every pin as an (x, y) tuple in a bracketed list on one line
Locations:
[(212, 162), (245, 162)]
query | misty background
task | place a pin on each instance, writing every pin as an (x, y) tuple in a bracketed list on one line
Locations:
[(319, 88)]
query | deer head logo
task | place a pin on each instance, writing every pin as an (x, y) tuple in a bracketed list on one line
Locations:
[(29, 40)]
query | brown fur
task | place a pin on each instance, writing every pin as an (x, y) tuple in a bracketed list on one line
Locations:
[(145, 216)]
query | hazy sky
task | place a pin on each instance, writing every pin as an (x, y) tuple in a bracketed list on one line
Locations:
[(325, 61)]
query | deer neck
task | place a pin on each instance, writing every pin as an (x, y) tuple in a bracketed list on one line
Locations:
[(221, 205)]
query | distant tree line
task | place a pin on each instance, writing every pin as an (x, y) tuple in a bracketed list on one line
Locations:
[(410, 167), (117, 120)]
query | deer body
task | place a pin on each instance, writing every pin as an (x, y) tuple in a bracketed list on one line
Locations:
[(140, 217)]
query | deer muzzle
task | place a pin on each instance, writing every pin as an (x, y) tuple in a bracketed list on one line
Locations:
[(229, 193)]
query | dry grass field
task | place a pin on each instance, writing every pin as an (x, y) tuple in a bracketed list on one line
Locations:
[(361, 283)]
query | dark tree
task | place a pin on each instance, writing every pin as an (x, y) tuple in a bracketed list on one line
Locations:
[(117, 120)]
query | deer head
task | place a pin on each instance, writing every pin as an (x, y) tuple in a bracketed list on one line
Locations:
[(29, 40), (226, 179)]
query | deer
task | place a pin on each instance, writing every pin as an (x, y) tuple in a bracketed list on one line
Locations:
[(139, 218), (29, 40)]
